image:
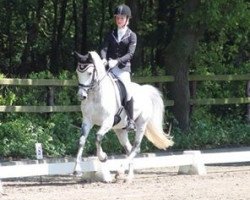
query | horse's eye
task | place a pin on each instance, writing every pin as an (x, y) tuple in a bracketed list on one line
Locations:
[(89, 73), (81, 67)]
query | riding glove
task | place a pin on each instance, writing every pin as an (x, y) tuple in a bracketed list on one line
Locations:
[(112, 63), (105, 62)]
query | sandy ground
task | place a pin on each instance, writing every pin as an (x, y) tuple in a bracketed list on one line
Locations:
[(221, 183)]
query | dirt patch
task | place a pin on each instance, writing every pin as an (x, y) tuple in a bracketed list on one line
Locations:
[(221, 183)]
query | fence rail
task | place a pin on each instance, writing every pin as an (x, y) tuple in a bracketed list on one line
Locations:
[(40, 109), (37, 82), (153, 79)]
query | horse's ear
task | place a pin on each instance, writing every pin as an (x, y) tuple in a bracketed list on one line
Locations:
[(77, 55), (80, 58)]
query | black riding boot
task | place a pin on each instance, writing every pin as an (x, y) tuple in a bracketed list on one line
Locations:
[(129, 107)]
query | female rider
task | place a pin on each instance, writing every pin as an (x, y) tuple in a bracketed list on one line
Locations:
[(117, 50)]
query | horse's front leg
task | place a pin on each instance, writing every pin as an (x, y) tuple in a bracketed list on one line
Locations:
[(106, 126), (85, 128)]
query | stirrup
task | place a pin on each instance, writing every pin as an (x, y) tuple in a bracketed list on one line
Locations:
[(131, 125)]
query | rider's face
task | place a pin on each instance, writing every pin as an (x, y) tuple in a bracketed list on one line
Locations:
[(120, 20)]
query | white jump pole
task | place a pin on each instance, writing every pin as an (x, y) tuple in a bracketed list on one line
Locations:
[(190, 162)]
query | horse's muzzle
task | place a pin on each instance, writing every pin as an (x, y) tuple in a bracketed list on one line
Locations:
[(82, 95), (81, 98)]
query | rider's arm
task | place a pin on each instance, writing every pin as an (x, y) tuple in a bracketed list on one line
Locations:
[(131, 49)]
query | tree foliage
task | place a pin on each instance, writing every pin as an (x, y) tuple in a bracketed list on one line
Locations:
[(40, 35)]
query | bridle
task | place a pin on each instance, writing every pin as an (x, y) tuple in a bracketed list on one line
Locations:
[(93, 82)]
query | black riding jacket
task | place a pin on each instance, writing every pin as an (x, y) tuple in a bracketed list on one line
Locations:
[(122, 51)]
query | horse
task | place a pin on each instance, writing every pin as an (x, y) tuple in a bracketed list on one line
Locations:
[(100, 104)]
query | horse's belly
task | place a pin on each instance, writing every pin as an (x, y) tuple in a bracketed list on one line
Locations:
[(97, 114)]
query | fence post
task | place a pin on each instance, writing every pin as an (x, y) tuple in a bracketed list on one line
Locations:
[(50, 96)]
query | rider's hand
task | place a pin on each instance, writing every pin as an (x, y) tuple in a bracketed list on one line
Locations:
[(112, 63), (105, 62)]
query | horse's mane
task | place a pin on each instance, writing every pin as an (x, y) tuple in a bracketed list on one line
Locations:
[(97, 62)]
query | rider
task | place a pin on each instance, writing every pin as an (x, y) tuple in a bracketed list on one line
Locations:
[(117, 50)]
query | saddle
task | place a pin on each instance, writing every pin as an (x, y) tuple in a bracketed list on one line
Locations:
[(122, 94)]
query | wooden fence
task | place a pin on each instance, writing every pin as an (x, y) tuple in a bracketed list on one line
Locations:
[(153, 79)]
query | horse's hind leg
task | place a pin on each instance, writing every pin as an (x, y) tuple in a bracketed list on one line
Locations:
[(135, 149), (122, 135), (140, 129)]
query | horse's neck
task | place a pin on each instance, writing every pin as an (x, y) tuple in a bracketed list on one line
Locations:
[(109, 94), (106, 86), (104, 89)]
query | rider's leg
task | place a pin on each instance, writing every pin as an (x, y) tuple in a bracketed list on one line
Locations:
[(124, 76), (129, 107)]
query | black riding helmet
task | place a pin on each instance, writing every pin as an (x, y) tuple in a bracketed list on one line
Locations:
[(123, 10)]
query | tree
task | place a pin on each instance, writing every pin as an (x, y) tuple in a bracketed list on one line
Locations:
[(80, 17), (32, 28), (177, 61), (60, 8), (136, 9)]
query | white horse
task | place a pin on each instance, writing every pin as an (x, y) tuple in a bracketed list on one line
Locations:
[(100, 102)]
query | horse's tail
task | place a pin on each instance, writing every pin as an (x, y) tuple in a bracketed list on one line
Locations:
[(154, 130)]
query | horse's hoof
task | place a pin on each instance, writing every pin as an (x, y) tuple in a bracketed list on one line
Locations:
[(120, 176), (123, 179), (128, 180), (77, 173), (104, 158)]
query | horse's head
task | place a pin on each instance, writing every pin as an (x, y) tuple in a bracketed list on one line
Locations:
[(89, 68)]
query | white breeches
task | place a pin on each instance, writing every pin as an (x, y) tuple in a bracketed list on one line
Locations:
[(124, 76)]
